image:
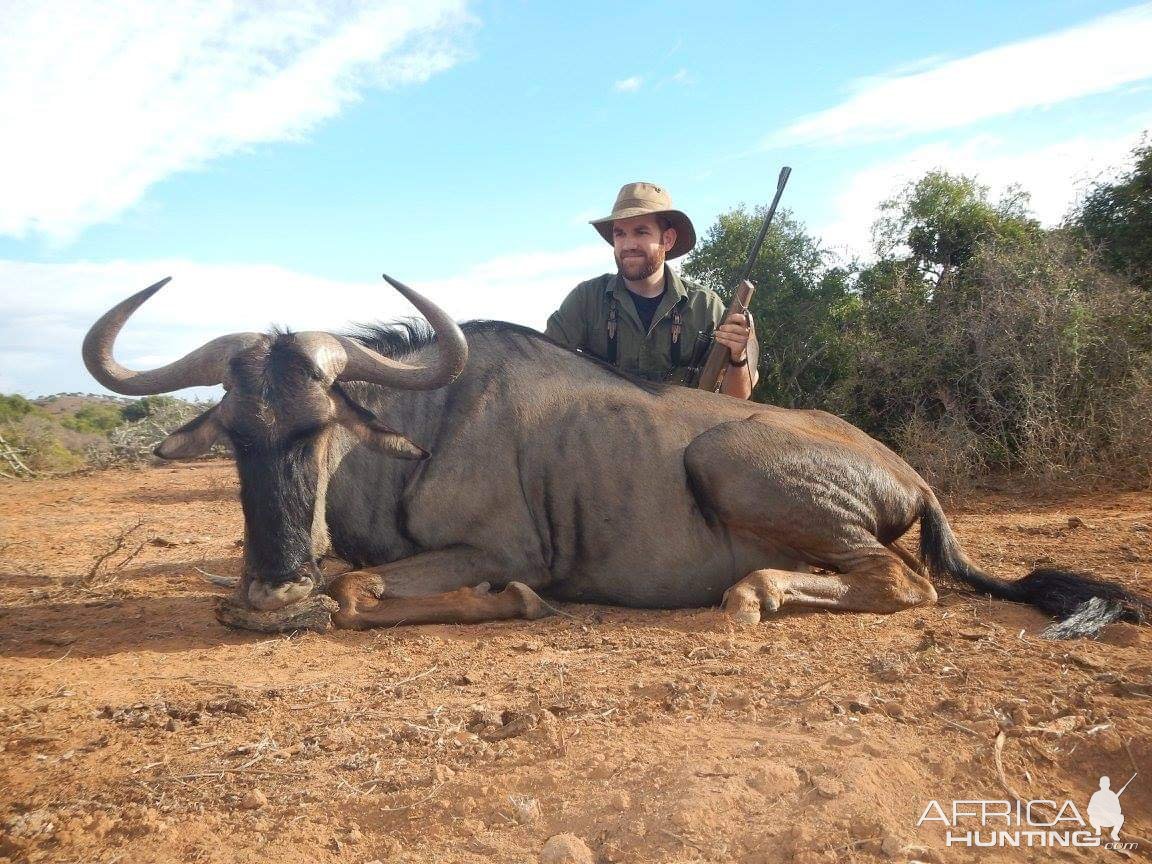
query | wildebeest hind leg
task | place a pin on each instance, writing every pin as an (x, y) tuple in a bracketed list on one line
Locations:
[(362, 605), (873, 581)]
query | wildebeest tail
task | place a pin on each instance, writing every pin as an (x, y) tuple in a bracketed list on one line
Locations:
[(1083, 604)]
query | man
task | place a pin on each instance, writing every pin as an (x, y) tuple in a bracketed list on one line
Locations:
[(645, 319)]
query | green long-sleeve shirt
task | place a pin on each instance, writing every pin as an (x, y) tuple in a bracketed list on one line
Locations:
[(581, 322)]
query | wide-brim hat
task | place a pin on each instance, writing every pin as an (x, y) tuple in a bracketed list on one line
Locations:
[(648, 199)]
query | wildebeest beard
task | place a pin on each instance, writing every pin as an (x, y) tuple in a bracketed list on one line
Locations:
[(277, 464), (278, 487)]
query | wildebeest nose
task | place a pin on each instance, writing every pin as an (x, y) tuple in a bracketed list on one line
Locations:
[(269, 593)]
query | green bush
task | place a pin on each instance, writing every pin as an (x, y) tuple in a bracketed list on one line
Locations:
[(94, 419), (13, 408)]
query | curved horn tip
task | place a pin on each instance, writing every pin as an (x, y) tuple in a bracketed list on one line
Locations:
[(152, 289)]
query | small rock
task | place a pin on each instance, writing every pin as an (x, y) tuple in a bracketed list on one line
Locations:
[(1140, 526), (353, 836), (254, 800), (525, 809), (1075, 522), (164, 542), (973, 634), (566, 849), (620, 801)]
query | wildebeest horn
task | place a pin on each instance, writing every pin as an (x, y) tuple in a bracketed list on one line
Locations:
[(203, 367), (364, 364)]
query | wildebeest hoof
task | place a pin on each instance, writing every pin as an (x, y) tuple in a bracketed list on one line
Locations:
[(531, 606), (741, 605), (355, 591)]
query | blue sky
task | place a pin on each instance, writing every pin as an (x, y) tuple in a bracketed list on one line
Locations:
[(274, 158)]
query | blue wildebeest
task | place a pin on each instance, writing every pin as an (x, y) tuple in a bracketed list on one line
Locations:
[(444, 463)]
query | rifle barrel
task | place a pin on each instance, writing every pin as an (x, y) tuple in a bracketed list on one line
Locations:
[(754, 252)]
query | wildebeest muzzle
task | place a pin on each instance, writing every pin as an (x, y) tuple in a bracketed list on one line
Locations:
[(268, 593)]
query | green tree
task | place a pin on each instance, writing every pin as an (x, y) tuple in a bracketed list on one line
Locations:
[(149, 406), (940, 221), (1118, 217), (801, 305)]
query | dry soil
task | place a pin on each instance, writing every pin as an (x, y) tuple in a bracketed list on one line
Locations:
[(134, 728)]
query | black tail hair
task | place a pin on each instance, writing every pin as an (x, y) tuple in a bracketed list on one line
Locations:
[(1084, 604)]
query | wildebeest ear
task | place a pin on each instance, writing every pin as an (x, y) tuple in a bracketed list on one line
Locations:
[(380, 437), (194, 438), (371, 430)]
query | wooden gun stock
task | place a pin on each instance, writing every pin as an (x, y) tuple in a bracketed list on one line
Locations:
[(712, 375)]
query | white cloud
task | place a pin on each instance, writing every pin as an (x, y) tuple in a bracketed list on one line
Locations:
[(104, 98), (629, 85), (1103, 54), (1054, 174), (49, 307)]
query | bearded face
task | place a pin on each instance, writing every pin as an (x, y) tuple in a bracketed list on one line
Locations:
[(640, 246)]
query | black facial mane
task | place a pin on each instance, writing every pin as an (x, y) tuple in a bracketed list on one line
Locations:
[(398, 338)]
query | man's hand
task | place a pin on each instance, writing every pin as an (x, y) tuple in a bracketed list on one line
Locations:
[(734, 334)]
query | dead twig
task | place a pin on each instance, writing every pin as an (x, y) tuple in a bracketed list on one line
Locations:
[(220, 772), (959, 726), (215, 579), (312, 705), (117, 544)]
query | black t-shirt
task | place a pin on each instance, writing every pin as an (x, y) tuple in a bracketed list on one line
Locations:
[(646, 307)]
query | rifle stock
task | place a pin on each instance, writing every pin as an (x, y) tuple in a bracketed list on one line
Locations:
[(712, 374)]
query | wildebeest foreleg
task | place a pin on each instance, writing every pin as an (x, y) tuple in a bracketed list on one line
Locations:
[(875, 582), (362, 605)]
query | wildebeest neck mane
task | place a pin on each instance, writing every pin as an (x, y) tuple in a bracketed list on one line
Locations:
[(398, 338)]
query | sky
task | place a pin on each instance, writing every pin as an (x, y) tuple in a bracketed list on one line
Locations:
[(275, 158)]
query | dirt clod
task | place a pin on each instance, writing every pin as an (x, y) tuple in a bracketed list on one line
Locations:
[(565, 849), (254, 799)]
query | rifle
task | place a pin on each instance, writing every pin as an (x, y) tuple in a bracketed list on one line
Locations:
[(712, 375)]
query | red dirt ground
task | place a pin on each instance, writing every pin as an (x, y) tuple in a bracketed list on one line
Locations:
[(133, 727)]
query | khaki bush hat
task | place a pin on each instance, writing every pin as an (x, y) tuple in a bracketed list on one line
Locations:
[(648, 199)]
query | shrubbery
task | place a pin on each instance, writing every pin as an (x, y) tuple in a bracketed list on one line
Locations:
[(98, 433), (977, 342)]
